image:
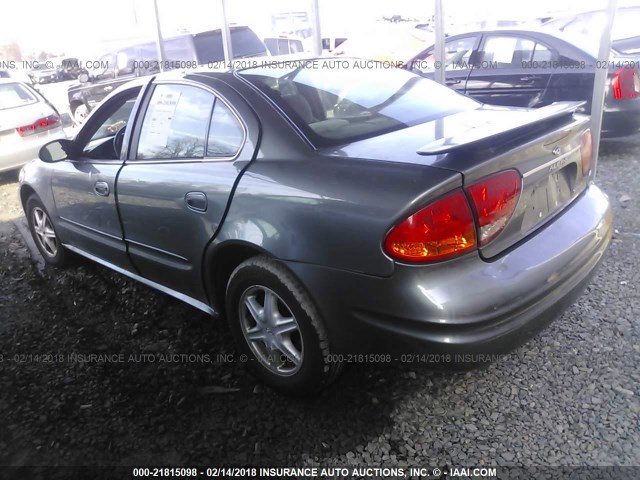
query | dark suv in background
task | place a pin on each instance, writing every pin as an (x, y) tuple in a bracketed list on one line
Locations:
[(70, 68), (184, 51)]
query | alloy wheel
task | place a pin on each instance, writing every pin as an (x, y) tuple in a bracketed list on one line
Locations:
[(45, 234), (271, 330)]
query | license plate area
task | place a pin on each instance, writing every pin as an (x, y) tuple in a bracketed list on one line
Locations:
[(548, 196)]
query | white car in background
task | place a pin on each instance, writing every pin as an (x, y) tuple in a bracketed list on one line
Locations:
[(27, 121)]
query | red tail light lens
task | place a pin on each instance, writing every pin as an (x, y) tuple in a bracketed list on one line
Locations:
[(439, 231), (625, 84), (586, 151), (40, 125), (494, 199)]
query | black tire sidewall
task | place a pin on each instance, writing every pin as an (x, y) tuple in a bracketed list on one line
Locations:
[(313, 371), (59, 259)]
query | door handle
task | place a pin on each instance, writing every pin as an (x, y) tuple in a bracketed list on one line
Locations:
[(108, 88), (197, 201), (530, 78), (453, 82), (101, 188)]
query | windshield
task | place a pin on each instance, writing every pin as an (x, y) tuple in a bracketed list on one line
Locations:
[(15, 95), (338, 102)]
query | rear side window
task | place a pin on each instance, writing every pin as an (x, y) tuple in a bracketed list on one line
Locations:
[(513, 52), (15, 95), (226, 135), (175, 124)]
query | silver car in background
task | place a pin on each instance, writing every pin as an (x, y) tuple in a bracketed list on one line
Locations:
[(27, 121)]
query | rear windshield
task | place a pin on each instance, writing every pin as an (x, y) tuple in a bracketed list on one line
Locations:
[(244, 43), (15, 95), (335, 103)]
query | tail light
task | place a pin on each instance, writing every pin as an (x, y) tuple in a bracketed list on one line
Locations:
[(494, 199), (446, 228), (39, 126), (439, 231), (586, 151), (625, 84)]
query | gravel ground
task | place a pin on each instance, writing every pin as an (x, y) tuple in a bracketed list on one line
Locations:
[(571, 396)]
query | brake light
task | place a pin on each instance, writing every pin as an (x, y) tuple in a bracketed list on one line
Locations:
[(625, 84), (494, 199), (40, 125), (439, 231), (586, 151)]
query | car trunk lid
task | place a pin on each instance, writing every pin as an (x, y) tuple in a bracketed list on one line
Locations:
[(542, 145), (13, 118)]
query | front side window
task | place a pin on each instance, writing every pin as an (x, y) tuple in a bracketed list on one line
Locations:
[(117, 120), (508, 52), (457, 56), (175, 124), (104, 67), (110, 121)]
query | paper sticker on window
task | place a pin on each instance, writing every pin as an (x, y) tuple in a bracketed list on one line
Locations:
[(161, 117)]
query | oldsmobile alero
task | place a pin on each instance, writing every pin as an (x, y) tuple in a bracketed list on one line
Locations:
[(326, 211)]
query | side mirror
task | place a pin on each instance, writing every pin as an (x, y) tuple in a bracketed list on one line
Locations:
[(83, 78), (58, 150)]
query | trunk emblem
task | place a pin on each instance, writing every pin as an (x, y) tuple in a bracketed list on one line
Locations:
[(557, 151)]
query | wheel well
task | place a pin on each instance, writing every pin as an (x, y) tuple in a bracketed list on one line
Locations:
[(224, 262), (25, 192)]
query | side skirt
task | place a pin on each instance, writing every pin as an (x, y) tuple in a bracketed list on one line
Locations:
[(180, 296)]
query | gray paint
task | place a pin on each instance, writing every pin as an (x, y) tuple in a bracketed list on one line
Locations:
[(325, 215)]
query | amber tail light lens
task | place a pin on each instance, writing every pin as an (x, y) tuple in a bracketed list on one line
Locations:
[(446, 228), (494, 199), (586, 151), (439, 231)]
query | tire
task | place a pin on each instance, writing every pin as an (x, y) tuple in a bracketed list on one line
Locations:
[(289, 349), (44, 233), (79, 114)]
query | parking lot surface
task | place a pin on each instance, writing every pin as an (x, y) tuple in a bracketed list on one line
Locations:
[(97, 369)]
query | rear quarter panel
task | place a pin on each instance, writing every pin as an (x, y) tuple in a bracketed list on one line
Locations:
[(327, 211)]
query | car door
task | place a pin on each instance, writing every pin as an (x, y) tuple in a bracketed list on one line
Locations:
[(458, 53), (84, 187), (511, 69), (192, 144)]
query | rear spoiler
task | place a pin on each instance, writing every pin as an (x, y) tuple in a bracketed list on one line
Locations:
[(469, 137)]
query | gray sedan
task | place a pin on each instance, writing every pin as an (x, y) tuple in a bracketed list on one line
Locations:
[(331, 213)]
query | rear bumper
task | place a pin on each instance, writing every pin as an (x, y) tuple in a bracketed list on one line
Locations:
[(621, 118), (467, 305)]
